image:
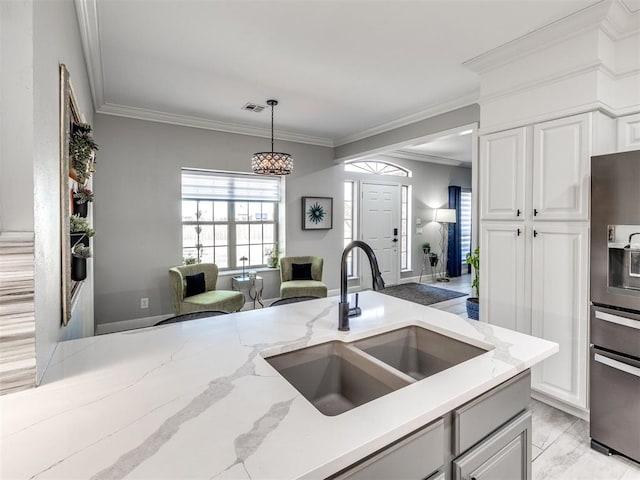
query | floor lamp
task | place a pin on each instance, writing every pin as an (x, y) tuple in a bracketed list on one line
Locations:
[(444, 216)]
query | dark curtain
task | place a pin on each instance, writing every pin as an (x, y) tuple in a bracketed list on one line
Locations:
[(454, 259)]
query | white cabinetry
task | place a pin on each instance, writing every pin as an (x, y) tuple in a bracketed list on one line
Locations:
[(561, 158), (559, 307), (629, 133), (503, 276), (535, 265), (503, 174)]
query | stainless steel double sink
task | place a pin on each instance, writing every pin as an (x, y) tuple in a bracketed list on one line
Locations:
[(336, 377)]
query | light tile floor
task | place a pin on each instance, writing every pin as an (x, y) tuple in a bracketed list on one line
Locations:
[(561, 449)]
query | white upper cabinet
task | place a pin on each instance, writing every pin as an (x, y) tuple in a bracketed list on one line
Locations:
[(503, 175), (629, 133), (561, 158)]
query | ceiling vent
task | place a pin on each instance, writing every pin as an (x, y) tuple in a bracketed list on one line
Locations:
[(253, 107)]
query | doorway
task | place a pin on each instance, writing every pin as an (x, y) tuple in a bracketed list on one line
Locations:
[(380, 228)]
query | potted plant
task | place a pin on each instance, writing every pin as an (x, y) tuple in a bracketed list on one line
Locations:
[(433, 259), (80, 230), (79, 255), (273, 256), (82, 150), (81, 199), (473, 303), (426, 247)]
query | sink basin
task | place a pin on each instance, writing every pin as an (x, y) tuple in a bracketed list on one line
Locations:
[(418, 352), (335, 377)]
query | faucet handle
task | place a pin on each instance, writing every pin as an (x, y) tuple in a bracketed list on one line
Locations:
[(355, 311)]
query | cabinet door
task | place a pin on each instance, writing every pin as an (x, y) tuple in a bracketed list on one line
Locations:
[(502, 175), (561, 154), (629, 133), (502, 276), (559, 308), (504, 455)]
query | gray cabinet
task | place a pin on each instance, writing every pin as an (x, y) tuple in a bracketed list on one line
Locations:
[(486, 438), (504, 455), (414, 457)]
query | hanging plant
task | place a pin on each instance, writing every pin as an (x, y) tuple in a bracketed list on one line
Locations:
[(82, 150)]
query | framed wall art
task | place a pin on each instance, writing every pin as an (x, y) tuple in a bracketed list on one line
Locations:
[(317, 213)]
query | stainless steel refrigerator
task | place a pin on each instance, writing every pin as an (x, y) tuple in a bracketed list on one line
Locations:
[(614, 387)]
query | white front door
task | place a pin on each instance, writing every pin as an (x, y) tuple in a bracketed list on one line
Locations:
[(380, 227)]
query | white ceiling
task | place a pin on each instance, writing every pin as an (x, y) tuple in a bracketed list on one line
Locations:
[(455, 147), (338, 68)]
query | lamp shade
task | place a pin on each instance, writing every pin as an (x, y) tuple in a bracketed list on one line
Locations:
[(445, 215)]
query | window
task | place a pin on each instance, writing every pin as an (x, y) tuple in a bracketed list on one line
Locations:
[(405, 214), (349, 223), (228, 216), (465, 225), (376, 167)]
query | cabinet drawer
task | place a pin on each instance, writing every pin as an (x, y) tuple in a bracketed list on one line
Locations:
[(505, 454), (478, 418), (413, 457)]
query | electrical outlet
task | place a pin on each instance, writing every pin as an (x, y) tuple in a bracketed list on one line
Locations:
[(144, 303)]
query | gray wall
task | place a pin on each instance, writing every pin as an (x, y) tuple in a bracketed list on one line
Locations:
[(56, 39), (16, 116), (439, 123), (137, 209), (35, 37)]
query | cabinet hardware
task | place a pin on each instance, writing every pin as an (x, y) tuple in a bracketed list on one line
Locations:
[(517, 212), (535, 233), (519, 232), (535, 212)]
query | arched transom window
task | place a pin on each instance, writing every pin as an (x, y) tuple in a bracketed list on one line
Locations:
[(376, 167)]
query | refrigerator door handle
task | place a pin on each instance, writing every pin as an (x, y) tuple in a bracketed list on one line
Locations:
[(618, 320), (610, 362)]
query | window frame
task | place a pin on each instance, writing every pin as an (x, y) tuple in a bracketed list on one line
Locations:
[(231, 223)]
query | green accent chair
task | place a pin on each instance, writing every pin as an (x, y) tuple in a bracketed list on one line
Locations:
[(211, 299), (301, 288)]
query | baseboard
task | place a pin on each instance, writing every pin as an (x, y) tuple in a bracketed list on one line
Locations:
[(132, 324), (560, 405)]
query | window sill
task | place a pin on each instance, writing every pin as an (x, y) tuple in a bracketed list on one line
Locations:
[(406, 270), (234, 273)]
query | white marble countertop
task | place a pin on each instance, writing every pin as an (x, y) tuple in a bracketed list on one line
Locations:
[(197, 399)]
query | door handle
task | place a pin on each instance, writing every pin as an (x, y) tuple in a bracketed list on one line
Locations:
[(610, 362)]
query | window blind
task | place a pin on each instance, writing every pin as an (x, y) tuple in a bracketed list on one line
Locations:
[(210, 185)]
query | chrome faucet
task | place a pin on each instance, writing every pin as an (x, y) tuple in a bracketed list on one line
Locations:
[(344, 312)]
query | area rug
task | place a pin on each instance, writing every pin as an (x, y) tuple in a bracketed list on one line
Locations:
[(420, 293)]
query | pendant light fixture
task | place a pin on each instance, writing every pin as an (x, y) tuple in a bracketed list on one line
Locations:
[(272, 163)]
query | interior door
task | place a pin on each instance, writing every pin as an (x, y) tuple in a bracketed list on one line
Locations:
[(380, 228)]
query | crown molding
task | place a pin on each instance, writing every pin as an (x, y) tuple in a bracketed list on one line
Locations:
[(87, 12), (541, 38), (195, 122), (435, 109), (417, 157), (622, 21)]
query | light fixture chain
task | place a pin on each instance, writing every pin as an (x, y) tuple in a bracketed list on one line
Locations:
[(272, 127)]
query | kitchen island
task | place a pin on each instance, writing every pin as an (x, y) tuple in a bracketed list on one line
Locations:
[(198, 399)]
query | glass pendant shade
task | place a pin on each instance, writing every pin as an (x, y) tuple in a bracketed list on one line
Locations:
[(272, 163)]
